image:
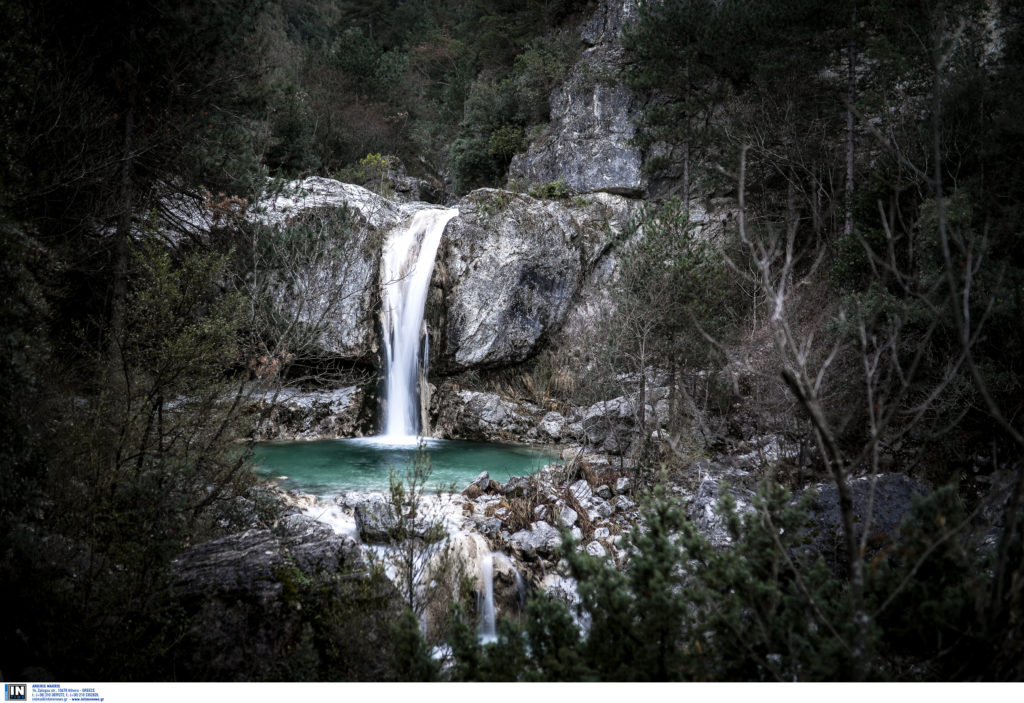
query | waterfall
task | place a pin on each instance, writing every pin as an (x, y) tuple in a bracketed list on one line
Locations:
[(488, 631), (406, 266)]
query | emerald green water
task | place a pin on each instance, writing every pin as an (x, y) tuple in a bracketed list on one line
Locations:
[(328, 467)]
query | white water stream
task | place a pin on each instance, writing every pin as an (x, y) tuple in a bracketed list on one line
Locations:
[(406, 266)]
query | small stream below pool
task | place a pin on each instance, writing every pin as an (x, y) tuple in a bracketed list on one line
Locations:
[(329, 467)]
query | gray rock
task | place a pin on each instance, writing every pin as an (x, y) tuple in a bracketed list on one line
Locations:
[(622, 485), (603, 491), (610, 424), (598, 508), (596, 549), (249, 562), (478, 415), (566, 516), (517, 486), (541, 540), (552, 426), (602, 533), (490, 527), (291, 413), (703, 508), (540, 512), (378, 523), (483, 480), (334, 298), (581, 491), (589, 140), (512, 265), (623, 503)]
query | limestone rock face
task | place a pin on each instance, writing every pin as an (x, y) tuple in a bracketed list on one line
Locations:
[(509, 269), (594, 116), (333, 298), (513, 268), (295, 414)]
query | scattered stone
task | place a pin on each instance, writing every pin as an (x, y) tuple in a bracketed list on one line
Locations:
[(603, 491), (516, 486), (598, 508), (491, 527), (596, 549), (541, 540), (602, 533), (581, 491), (622, 485), (566, 515), (623, 503)]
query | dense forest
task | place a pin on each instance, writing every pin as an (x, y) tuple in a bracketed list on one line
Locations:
[(865, 301)]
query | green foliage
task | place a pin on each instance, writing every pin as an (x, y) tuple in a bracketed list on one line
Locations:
[(554, 190), (765, 608), (682, 610), (411, 655)]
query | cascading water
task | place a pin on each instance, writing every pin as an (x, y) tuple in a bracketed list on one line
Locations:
[(406, 266), (488, 629)]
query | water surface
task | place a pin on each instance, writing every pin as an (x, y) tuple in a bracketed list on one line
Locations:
[(328, 467)]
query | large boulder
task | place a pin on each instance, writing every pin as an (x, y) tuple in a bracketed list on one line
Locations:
[(250, 563), (509, 268), (540, 541), (291, 413), (512, 268), (331, 297), (589, 142), (477, 415)]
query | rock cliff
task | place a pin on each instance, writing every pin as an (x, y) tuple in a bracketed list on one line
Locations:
[(589, 142)]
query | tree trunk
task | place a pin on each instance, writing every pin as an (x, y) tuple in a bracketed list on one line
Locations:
[(851, 95), (122, 234)]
